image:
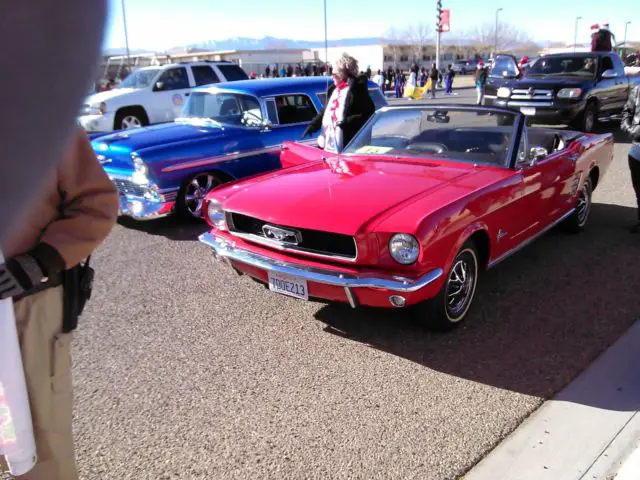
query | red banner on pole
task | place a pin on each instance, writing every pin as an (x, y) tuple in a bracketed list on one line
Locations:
[(444, 20)]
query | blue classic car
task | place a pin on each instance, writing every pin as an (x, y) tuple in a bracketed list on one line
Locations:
[(227, 131)]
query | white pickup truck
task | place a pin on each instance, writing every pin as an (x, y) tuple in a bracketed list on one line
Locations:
[(152, 95)]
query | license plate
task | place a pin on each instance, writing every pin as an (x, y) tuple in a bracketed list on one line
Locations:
[(288, 285), (528, 110)]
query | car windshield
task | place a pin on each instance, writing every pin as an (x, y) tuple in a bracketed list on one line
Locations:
[(224, 107), (562, 65), (477, 135), (139, 78), (503, 66)]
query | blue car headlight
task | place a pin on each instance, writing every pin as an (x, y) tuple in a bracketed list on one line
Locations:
[(141, 171)]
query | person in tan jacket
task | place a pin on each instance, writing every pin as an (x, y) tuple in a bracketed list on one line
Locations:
[(75, 214)]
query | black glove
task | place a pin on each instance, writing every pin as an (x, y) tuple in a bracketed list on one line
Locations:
[(19, 274), (23, 272), (9, 285)]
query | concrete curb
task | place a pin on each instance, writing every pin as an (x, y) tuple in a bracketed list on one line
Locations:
[(588, 431)]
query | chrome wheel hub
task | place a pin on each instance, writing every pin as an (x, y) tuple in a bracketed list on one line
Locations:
[(460, 286), (196, 191), (131, 122), (584, 205)]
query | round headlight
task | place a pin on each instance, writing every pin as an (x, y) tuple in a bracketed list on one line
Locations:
[(404, 248), (504, 92), (216, 214)]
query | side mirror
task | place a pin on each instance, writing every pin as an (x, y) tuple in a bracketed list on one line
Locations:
[(159, 86), (266, 125), (611, 73), (537, 153)]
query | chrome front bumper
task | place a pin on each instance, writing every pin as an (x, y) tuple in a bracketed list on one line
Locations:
[(142, 202), (226, 252)]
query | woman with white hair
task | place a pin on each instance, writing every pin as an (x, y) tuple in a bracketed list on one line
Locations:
[(348, 107)]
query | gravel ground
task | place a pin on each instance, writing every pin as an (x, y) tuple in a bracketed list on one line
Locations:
[(184, 370)]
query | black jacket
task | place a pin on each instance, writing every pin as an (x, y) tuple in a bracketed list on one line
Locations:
[(357, 110), (631, 115)]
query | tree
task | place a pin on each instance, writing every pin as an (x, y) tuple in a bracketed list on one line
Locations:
[(393, 39), (508, 37), (418, 35)]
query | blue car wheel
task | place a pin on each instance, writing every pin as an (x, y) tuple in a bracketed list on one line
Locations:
[(192, 194)]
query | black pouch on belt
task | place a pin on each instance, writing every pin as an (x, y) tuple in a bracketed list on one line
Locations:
[(78, 284)]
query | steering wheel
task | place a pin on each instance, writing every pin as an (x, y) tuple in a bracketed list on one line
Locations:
[(428, 147)]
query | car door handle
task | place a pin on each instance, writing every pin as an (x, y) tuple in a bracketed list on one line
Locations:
[(187, 94)]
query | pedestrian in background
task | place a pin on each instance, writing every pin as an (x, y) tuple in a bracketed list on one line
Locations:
[(631, 125), (448, 80), (49, 288), (480, 79), (398, 83), (348, 107), (423, 77), (433, 75)]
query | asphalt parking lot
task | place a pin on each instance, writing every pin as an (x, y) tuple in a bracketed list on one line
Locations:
[(184, 370)]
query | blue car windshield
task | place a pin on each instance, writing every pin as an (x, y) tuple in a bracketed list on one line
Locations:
[(224, 107), (139, 78)]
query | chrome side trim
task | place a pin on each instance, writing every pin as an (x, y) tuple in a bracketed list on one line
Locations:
[(220, 158), (222, 250), (529, 240), (292, 248)]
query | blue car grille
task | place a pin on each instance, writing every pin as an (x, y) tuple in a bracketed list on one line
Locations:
[(127, 187), (313, 241)]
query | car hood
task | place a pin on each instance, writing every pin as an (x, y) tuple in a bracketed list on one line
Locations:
[(549, 81), (343, 197), (115, 149), (159, 135), (108, 94)]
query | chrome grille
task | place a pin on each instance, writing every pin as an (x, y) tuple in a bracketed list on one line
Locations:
[(326, 244), (533, 94), (127, 187)]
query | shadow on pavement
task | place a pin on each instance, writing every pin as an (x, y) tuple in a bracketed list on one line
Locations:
[(173, 228), (538, 320)]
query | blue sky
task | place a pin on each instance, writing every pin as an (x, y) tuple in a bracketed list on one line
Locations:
[(161, 24)]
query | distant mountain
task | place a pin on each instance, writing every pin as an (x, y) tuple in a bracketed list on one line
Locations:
[(123, 51), (266, 43)]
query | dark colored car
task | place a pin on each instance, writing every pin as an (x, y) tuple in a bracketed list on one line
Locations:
[(578, 89)]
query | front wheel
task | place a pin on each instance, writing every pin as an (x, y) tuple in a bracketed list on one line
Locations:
[(191, 196), (588, 121), (452, 303)]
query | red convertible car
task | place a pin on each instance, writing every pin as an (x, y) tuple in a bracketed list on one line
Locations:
[(421, 201)]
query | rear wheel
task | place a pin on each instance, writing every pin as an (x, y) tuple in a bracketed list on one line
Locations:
[(452, 303), (580, 216), (194, 190)]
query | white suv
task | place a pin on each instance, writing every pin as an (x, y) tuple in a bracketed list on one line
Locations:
[(152, 95)]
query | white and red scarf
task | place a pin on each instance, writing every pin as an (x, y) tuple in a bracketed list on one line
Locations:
[(331, 138)]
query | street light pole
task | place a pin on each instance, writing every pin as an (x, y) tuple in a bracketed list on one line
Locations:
[(326, 47), (575, 34), (625, 33), (495, 44), (126, 36)]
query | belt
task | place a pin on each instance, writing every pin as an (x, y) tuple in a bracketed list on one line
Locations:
[(53, 281)]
